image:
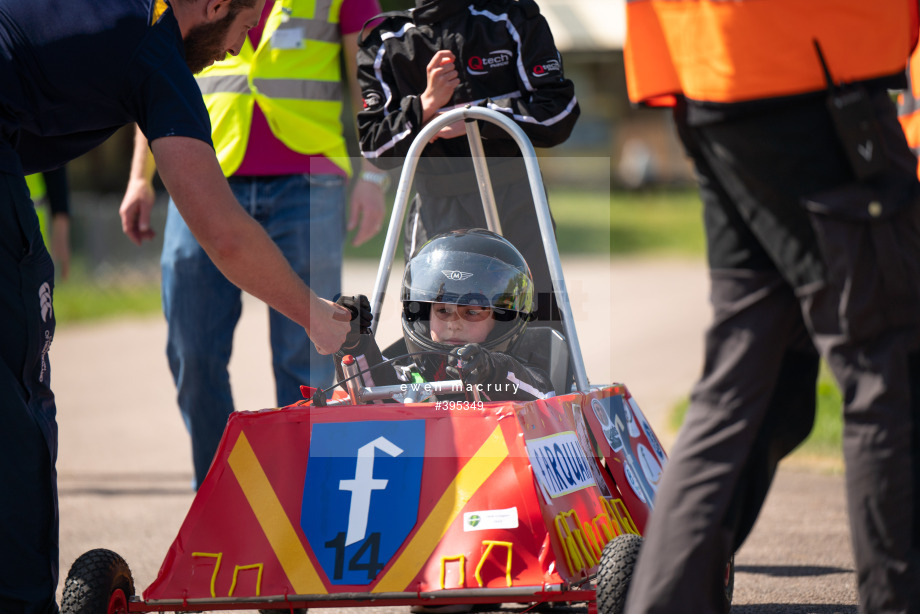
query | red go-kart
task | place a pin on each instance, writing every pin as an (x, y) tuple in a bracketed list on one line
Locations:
[(347, 504)]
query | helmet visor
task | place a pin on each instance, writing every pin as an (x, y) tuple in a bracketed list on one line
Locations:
[(467, 279)]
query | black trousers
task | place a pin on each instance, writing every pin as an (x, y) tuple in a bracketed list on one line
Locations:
[(28, 433), (801, 256)]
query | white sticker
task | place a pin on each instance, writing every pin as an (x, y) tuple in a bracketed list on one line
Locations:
[(653, 440), (630, 419), (491, 519), (633, 482), (559, 463), (611, 431), (288, 38), (650, 466)]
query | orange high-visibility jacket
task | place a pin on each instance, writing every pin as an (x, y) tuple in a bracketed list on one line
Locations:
[(726, 51), (909, 105)]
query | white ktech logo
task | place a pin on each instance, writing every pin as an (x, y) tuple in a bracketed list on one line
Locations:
[(44, 299), (362, 486)]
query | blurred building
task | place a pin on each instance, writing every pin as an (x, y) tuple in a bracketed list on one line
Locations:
[(640, 143)]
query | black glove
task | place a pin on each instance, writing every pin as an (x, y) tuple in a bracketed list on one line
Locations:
[(361, 317), (471, 363)]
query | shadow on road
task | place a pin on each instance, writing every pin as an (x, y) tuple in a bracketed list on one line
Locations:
[(790, 571), (125, 484)]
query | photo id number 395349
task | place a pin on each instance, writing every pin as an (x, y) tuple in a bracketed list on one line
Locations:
[(458, 405)]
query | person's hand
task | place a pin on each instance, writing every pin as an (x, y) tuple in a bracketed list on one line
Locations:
[(366, 211), (443, 79), (450, 132), (60, 244), (135, 210), (329, 325), (471, 363), (361, 317)]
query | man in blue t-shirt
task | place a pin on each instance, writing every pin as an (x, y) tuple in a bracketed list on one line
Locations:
[(72, 73)]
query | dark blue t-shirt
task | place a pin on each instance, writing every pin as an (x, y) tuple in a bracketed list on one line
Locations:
[(74, 71)]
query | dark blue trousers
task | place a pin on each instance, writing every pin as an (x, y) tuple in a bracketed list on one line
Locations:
[(28, 430)]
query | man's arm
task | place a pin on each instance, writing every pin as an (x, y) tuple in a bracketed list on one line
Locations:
[(385, 134), (237, 244), (139, 195), (58, 191)]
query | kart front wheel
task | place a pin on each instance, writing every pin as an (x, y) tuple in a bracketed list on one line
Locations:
[(99, 582), (614, 572)]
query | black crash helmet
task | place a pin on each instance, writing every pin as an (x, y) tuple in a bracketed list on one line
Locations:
[(467, 267)]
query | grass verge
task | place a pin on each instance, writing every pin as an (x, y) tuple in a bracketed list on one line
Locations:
[(83, 298), (588, 223), (822, 449)]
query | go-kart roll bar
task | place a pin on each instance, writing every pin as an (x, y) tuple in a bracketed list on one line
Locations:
[(541, 206)]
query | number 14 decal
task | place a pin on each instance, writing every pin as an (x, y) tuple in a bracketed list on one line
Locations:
[(370, 547)]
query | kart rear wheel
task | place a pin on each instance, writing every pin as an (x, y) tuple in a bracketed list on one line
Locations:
[(284, 611), (99, 582), (614, 572)]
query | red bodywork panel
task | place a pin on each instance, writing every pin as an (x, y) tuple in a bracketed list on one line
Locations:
[(390, 500)]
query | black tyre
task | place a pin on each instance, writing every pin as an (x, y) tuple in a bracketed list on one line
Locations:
[(284, 611), (99, 582), (614, 572)]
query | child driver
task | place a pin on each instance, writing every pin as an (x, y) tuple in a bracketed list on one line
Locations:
[(467, 298)]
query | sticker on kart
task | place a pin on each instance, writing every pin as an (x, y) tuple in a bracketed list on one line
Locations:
[(361, 494), (621, 430)]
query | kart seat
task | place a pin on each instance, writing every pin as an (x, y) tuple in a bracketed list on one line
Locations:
[(546, 348)]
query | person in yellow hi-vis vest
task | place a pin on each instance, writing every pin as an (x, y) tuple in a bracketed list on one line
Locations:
[(51, 195), (276, 123)]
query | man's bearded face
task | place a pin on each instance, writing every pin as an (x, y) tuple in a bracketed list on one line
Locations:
[(207, 43)]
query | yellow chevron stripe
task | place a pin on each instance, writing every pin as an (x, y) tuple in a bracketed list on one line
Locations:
[(468, 480), (274, 521)]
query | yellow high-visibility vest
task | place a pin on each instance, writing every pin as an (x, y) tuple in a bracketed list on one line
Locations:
[(295, 76), (725, 52), (37, 189)]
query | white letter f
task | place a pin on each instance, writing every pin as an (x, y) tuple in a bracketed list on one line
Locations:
[(362, 486)]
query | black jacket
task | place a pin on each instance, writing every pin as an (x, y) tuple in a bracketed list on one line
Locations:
[(506, 60)]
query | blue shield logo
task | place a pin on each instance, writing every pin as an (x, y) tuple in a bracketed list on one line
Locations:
[(361, 494)]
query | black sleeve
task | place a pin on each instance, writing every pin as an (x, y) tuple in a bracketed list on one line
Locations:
[(392, 114), (58, 190), (548, 109), (520, 381), (160, 92)]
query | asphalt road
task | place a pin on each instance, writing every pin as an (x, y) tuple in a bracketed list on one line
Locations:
[(125, 467)]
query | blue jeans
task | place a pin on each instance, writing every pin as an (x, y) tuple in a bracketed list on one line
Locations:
[(305, 216)]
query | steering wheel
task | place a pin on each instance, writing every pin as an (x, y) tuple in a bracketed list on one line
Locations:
[(402, 393)]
